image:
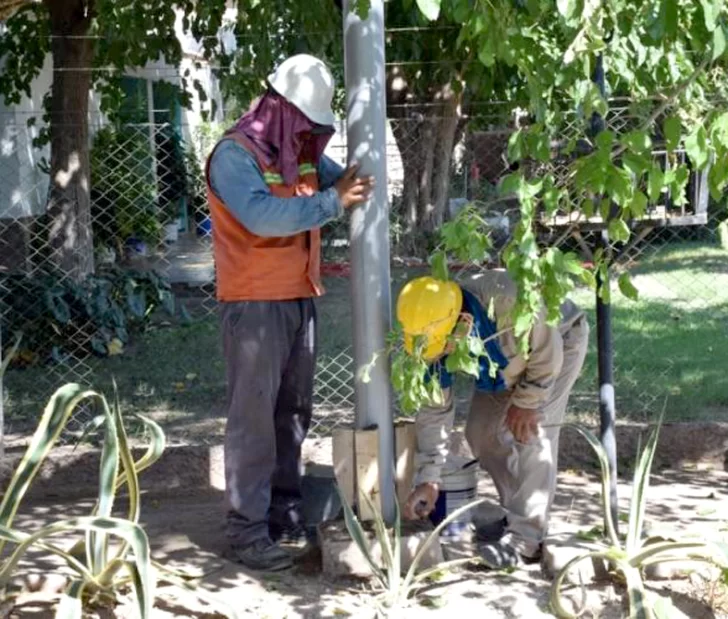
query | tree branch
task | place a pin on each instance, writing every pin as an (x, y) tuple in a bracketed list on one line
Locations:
[(668, 101), (8, 8)]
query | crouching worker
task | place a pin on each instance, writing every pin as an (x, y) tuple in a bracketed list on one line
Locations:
[(513, 423)]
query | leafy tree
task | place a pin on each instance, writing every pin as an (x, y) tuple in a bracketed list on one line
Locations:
[(92, 43), (665, 56), (431, 78)]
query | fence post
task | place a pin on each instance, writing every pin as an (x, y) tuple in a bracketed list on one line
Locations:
[(605, 351), (370, 280)]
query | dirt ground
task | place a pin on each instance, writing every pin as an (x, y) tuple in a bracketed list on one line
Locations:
[(186, 532)]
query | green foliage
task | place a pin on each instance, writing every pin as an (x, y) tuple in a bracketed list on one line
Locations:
[(628, 559), (121, 34), (430, 8), (101, 568), (545, 278), (290, 27), (395, 585), (122, 188), (409, 374), (667, 59), (465, 238), (60, 317)]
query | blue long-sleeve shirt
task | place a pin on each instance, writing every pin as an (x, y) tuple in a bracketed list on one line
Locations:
[(237, 180)]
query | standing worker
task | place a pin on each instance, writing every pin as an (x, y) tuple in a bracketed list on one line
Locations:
[(513, 422), (270, 190)]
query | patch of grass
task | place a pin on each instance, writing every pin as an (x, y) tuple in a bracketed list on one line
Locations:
[(674, 341)]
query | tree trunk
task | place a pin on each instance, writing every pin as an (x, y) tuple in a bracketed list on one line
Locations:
[(426, 144), (447, 125), (70, 240)]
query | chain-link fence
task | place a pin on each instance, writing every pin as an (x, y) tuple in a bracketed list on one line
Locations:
[(146, 319)]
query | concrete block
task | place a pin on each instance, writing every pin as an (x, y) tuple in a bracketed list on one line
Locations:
[(560, 549), (340, 556)]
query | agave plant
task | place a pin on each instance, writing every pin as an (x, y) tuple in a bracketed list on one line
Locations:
[(395, 587), (628, 559), (102, 568)]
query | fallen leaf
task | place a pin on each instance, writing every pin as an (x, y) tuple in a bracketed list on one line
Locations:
[(115, 347)]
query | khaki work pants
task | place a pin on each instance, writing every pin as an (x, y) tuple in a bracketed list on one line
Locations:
[(525, 474)]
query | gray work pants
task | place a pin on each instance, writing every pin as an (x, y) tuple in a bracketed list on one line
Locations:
[(270, 357), (525, 474)]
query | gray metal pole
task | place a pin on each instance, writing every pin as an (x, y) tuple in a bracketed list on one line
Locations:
[(370, 282)]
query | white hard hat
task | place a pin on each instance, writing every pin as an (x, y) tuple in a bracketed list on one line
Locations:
[(307, 83)]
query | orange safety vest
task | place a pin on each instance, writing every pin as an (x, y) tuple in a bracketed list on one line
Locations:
[(255, 268)]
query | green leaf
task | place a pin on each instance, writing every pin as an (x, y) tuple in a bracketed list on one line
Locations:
[(130, 532), (604, 140), (515, 146), (618, 231), (438, 263), (108, 474), (640, 485), (626, 287), (638, 206), (711, 11), (696, 147), (359, 537), (412, 575), (430, 8), (58, 307), (672, 129), (59, 408), (719, 43), (620, 185), (567, 8), (636, 164), (639, 605), (99, 345), (9, 355), (679, 182), (603, 460), (71, 604), (638, 142), (656, 183)]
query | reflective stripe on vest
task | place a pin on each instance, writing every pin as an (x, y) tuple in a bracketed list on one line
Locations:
[(271, 178)]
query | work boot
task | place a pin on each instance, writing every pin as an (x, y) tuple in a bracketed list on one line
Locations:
[(491, 531), (291, 536), (262, 555), (504, 554)]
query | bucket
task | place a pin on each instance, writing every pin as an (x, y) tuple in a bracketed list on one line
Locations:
[(458, 488)]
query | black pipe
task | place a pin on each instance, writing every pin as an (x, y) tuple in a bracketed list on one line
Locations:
[(605, 350), (607, 409)]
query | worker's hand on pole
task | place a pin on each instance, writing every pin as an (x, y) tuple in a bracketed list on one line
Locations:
[(421, 501), (523, 423), (353, 189)]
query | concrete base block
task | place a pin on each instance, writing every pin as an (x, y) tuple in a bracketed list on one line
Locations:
[(340, 556), (560, 549)]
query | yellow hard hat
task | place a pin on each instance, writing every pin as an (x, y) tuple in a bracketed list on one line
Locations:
[(429, 307)]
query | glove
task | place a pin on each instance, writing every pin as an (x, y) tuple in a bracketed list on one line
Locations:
[(421, 501)]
